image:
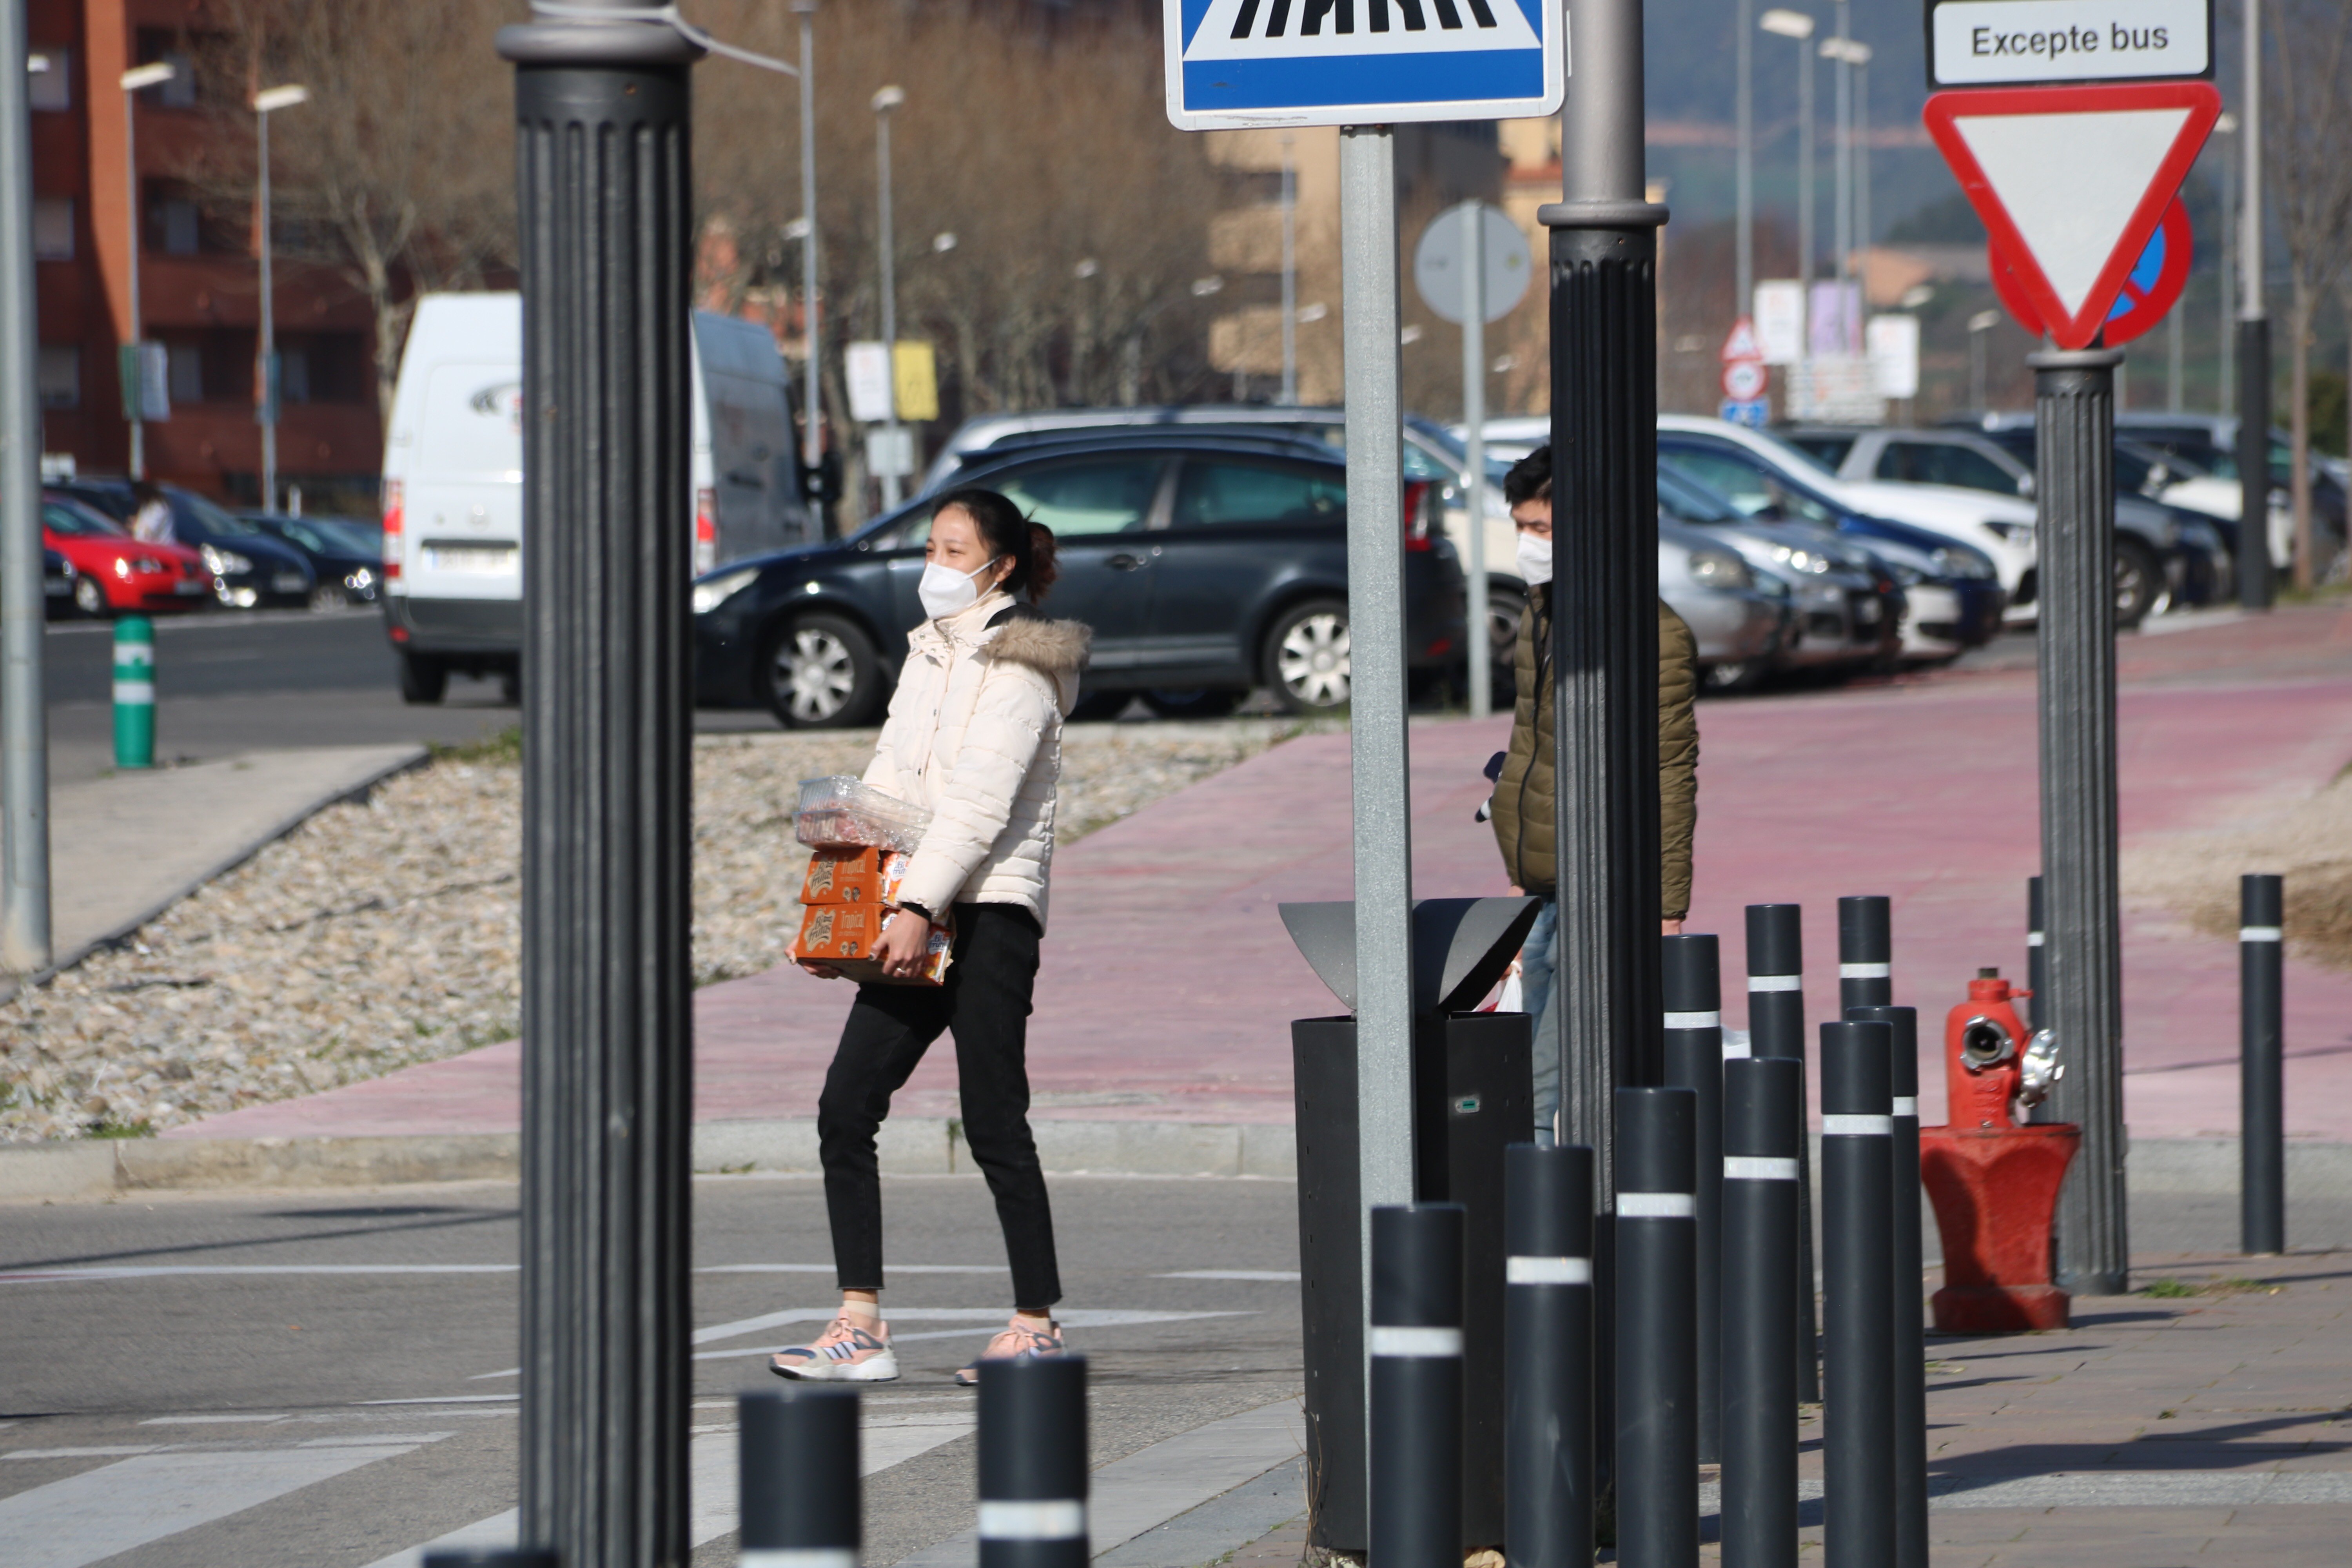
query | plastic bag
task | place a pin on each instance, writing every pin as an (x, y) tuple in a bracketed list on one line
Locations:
[(846, 813)]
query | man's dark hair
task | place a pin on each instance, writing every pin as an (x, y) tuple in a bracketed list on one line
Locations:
[(1530, 477)]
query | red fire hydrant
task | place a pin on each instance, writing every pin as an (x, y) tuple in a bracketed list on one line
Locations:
[(1993, 1181)]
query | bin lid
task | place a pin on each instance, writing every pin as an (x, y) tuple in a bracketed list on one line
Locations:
[(1460, 947)]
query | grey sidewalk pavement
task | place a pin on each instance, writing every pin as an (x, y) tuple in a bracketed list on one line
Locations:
[(126, 845)]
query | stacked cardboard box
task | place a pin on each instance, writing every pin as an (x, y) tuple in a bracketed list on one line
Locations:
[(850, 896)]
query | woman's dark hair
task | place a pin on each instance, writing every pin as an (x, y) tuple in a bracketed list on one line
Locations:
[(1005, 532)]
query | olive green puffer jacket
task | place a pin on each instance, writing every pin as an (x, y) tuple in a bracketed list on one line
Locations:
[(1523, 795)]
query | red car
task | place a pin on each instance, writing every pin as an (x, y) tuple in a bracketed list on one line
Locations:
[(116, 574)]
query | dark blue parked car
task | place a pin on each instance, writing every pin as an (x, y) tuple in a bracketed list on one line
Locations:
[(1207, 564), (249, 568)]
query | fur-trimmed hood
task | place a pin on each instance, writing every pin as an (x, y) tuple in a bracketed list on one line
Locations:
[(1054, 649)]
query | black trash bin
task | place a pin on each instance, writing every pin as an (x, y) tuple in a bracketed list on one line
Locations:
[(1473, 1097)]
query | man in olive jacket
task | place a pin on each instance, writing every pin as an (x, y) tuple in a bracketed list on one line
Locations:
[(1525, 825)]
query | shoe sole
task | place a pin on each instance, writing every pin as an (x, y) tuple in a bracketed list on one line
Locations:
[(882, 1368)]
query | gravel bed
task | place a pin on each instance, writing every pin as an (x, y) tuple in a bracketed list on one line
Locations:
[(2195, 875), (385, 933)]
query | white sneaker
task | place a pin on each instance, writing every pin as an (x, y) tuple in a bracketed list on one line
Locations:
[(846, 1352)]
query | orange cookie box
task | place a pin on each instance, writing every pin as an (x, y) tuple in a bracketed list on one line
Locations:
[(843, 937)]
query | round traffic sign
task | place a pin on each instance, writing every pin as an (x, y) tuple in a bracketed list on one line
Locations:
[(1744, 380), (2150, 289), (1437, 263)]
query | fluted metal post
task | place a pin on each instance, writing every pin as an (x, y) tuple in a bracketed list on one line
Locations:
[(2075, 416), (602, 112)]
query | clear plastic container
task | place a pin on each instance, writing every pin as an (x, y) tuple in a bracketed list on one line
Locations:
[(845, 811)]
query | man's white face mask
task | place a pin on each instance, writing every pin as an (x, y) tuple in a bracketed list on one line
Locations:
[(1535, 559)]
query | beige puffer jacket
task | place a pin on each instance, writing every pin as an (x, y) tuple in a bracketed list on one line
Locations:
[(974, 734)]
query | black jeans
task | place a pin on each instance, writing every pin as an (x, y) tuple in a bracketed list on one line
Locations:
[(985, 1004)]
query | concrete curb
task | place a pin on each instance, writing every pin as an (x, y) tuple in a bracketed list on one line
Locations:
[(229, 860), (910, 1146)]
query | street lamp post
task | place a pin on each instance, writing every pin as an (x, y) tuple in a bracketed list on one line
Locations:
[(1743, 299), (812, 399), (2254, 344), (1851, 56), (884, 100), (1842, 158), (24, 933), (1799, 26), (136, 80), (1290, 273), (2227, 125), (265, 103), (1982, 322)]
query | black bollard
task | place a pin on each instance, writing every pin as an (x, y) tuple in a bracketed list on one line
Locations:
[(1033, 1462), (1694, 1060), (1909, 1364), (1549, 1475), (1763, 1102), (1415, 1505), (1658, 1376), (797, 1477), (2262, 1091), (1776, 1028), (1857, 1314), (2037, 957), (1865, 953), (492, 1557)]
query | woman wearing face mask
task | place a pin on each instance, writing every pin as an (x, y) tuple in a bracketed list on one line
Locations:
[(974, 735)]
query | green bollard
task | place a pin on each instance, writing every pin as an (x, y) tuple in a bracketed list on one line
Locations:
[(134, 692)]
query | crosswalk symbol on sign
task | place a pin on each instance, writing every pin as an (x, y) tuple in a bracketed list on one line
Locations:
[(1244, 63)]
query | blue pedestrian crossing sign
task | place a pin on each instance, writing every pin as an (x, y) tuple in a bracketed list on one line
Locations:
[(1236, 65)]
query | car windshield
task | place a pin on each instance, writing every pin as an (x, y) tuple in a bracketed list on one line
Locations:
[(1825, 447), (1785, 444), (1746, 482), (364, 538), (79, 521), (1686, 500), (210, 518)]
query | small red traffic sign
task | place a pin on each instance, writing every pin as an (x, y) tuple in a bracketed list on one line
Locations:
[(1744, 380), (1742, 344), (2151, 288), (2071, 182)]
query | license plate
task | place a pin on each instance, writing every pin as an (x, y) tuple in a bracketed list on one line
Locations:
[(287, 583), (190, 586), (469, 558)]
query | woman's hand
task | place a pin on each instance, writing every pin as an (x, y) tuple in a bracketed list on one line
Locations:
[(822, 970), (905, 950)]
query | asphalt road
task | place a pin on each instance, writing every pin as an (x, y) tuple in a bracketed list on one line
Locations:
[(202, 1352)]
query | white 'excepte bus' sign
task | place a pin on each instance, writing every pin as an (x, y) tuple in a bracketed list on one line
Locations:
[(1996, 43)]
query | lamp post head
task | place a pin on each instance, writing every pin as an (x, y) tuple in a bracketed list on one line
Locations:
[(887, 99), (1204, 286), (1851, 52), (1087, 267), (276, 98), (1786, 24), (943, 242), (138, 79), (2226, 125), (798, 228), (1984, 321)]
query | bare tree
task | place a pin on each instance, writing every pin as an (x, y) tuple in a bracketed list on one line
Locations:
[(2307, 160), (399, 171)]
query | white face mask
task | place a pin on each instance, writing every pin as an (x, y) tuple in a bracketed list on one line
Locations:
[(945, 590), (1535, 559)]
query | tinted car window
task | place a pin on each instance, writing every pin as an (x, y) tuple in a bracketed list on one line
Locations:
[(1830, 450), (1745, 483), (209, 519), (1219, 494), (79, 521), (1941, 463), (1110, 495)]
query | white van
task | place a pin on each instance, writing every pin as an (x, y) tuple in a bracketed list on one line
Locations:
[(453, 479)]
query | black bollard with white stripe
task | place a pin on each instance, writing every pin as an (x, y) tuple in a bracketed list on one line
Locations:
[(2261, 1089), (2037, 956), (493, 1557), (1865, 953), (1763, 1106), (1693, 977), (1657, 1326), (1550, 1473), (1857, 1291), (1033, 1462), (797, 1477), (1909, 1365), (1776, 1028), (1415, 1507)]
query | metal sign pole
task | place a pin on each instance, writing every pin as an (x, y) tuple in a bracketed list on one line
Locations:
[(603, 198), (2075, 490), (2254, 589), (1474, 419), (24, 707), (1368, 283)]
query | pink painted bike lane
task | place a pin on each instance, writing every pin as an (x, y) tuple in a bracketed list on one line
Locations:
[(1168, 981)]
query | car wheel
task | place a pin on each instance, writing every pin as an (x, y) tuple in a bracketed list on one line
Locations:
[(1099, 707), (423, 679), (326, 596), (2139, 580), (1306, 657), (1505, 607), (822, 674), (89, 598), (1196, 703)]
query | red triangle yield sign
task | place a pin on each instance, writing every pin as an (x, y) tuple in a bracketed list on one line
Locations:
[(2072, 180)]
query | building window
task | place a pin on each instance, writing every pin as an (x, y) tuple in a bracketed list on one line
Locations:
[(323, 367), (52, 89), (187, 372), (169, 47), (59, 375), (53, 229), (211, 367)]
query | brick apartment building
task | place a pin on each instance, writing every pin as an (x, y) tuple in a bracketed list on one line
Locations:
[(198, 275)]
